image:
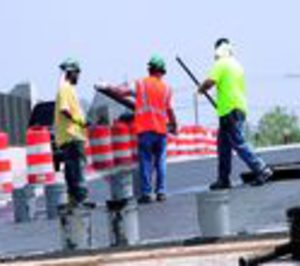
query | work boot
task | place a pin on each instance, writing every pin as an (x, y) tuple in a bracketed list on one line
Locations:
[(220, 184), (161, 197), (145, 199), (263, 177)]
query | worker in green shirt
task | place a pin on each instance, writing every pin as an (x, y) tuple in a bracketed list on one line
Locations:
[(227, 75)]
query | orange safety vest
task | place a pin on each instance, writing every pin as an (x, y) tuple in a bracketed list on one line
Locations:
[(152, 101)]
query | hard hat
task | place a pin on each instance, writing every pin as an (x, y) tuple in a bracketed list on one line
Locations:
[(158, 63), (70, 64)]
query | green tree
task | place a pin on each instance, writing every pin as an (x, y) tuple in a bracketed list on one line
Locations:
[(276, 127)]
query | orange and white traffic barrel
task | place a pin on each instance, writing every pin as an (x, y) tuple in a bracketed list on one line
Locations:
[(88, 155), (211, 141), (172, 150), (201, 143), (39, 157), (186, 141), (101, 148), (122, 144), (134, 143), (6, 175)]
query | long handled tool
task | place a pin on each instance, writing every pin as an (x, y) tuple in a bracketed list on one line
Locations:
[(114, 96), (195, 80)]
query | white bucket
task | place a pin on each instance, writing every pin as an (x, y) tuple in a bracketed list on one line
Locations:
[(213, 213)]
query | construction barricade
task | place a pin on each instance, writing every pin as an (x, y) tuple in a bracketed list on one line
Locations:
[(186, 141), (6, 174), (101, 149), (172, 150), (39, 156), (122, 208), (205, 141), (211, 141), (88, 153), (122, 145), (40, 171)]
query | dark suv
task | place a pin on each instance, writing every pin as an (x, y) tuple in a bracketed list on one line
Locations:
[(43, 115)]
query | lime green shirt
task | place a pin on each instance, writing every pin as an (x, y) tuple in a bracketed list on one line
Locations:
[(228, 75), (65, 129)]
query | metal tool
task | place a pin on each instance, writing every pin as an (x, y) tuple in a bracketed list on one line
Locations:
[(195, 80)]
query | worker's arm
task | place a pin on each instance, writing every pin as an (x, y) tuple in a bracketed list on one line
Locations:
[(123, 90), (172, 121), (206, 85), (75, 120)]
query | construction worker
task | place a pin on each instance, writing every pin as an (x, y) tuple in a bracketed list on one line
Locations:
[(227, 76), (153, 114), (70, 131)]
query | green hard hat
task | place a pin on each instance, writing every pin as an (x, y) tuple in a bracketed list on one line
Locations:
[(70, 64), (158, 63)]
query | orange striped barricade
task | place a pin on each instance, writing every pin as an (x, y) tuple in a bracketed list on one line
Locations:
[(101, 149), (40, 167), (134, 145), (88, 153), (186, 142), (39, 156), (6, 174), (122, 180), (211, 141), (122, 208), (172, 151), (202, 143)]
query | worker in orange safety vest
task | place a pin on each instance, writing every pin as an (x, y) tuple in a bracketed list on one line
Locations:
[(153, 117)]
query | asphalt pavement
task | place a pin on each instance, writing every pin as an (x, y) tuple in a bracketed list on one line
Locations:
[(252, 210)]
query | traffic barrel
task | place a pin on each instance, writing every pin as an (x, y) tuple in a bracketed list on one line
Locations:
[(88, 155), (101, 148), (201, 141), (122, 144), (211, 137), (134, 143), (39, 158), (172, 150), (186, 141), (6, 175)]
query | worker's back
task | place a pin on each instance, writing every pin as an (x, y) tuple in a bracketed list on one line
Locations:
[(152, 101), (231, 91)]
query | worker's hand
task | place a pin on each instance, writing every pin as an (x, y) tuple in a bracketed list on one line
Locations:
[(172, 128), (201, 90), (80, 122)]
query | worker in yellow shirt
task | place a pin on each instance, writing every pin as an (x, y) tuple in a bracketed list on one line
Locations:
[(70, 131)]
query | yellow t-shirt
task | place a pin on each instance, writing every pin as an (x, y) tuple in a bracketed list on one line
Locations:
[(65, 129)]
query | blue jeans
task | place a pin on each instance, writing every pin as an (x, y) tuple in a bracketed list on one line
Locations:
[(74, 158), (152, 150), (231, 136)]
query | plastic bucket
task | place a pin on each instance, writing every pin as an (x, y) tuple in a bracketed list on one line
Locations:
[(213, 213)]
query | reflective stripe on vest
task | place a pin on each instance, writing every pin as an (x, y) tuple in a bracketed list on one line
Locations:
[(146, 107)]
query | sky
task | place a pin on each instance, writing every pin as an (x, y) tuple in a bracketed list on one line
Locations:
[(113, 40)]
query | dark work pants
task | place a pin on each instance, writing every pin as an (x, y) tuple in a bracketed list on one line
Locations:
[(231, 136), (74, 158)]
